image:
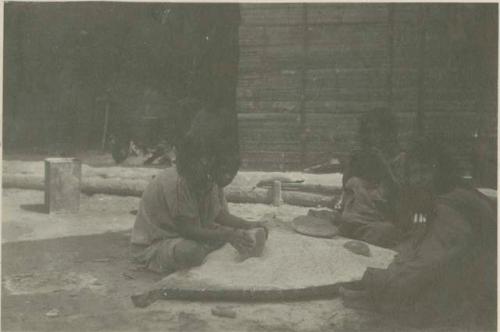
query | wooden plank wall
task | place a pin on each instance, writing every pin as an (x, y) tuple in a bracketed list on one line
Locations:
[(307, 72)]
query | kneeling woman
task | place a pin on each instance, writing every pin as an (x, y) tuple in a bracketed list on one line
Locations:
[(447, 272)]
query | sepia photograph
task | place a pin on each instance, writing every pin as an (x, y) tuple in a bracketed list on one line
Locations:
[(249, 166)]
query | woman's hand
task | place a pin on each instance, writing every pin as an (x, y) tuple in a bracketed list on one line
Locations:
[(241, 241), (262, 224)]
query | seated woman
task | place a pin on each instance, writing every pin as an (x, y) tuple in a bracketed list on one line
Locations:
[(369, 196), (370, 185), (445, 273), (183, 214)]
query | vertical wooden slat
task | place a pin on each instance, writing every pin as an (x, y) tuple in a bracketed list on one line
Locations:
[(304, 63), (421, 69), (390, 49)]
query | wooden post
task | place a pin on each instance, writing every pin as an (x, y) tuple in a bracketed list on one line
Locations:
[(276, 189), (62, 185), (106, 121), (390, 49), (421, 69), (302, 95)]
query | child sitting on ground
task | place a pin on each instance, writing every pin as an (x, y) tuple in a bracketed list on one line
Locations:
[(183, 214)]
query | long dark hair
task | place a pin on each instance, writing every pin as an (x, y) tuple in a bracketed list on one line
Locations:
[(431, 150), (195, 156)]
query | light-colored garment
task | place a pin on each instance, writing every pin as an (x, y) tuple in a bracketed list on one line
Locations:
[(167, 198), (169, 255), (362, 202), (363, 214), (155, 241)]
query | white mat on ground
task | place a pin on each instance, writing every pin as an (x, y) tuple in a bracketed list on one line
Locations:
[(290, 261)]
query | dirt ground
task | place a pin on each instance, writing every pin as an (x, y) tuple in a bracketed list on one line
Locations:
[(84, 283), (62, 280), (85, 280), (72, 273), (88, 280), (24, 217)]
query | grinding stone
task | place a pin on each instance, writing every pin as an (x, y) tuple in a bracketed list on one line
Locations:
[(358, 247), (333, 216), (258, 235), (313, 226)]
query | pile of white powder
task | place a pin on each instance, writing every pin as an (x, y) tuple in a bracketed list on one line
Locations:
[(290, 261)]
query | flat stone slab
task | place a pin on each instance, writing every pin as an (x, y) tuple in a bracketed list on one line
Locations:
[(313, 226)]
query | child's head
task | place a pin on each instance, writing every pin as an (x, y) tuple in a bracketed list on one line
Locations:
[(378, 128), (194, 165), (226, 168), (367, 165), (209, 152)]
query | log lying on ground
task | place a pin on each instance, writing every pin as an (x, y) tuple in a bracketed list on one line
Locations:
[(236, 295), (89, 186), (23, 181), (95, 185), (247, 195), (308, 188), (113, 187), (306, 199), (331, 166), (264, 196)]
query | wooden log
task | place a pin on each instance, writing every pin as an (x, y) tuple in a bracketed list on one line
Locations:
[(23, 181), (135, 188), (113, 187), (247, 195), (62, 185), (309, 188), (89, 186), (147, 298), (307, 200)]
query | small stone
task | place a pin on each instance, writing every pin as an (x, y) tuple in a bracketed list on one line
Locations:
[(52, 313), (128, 276), (23, 276), (102, 260), (225, 312), (358, 248)]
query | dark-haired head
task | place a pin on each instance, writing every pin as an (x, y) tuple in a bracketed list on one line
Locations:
[(226, 168), (194, 165), (431, 164), (378, 128), (227, 159)]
